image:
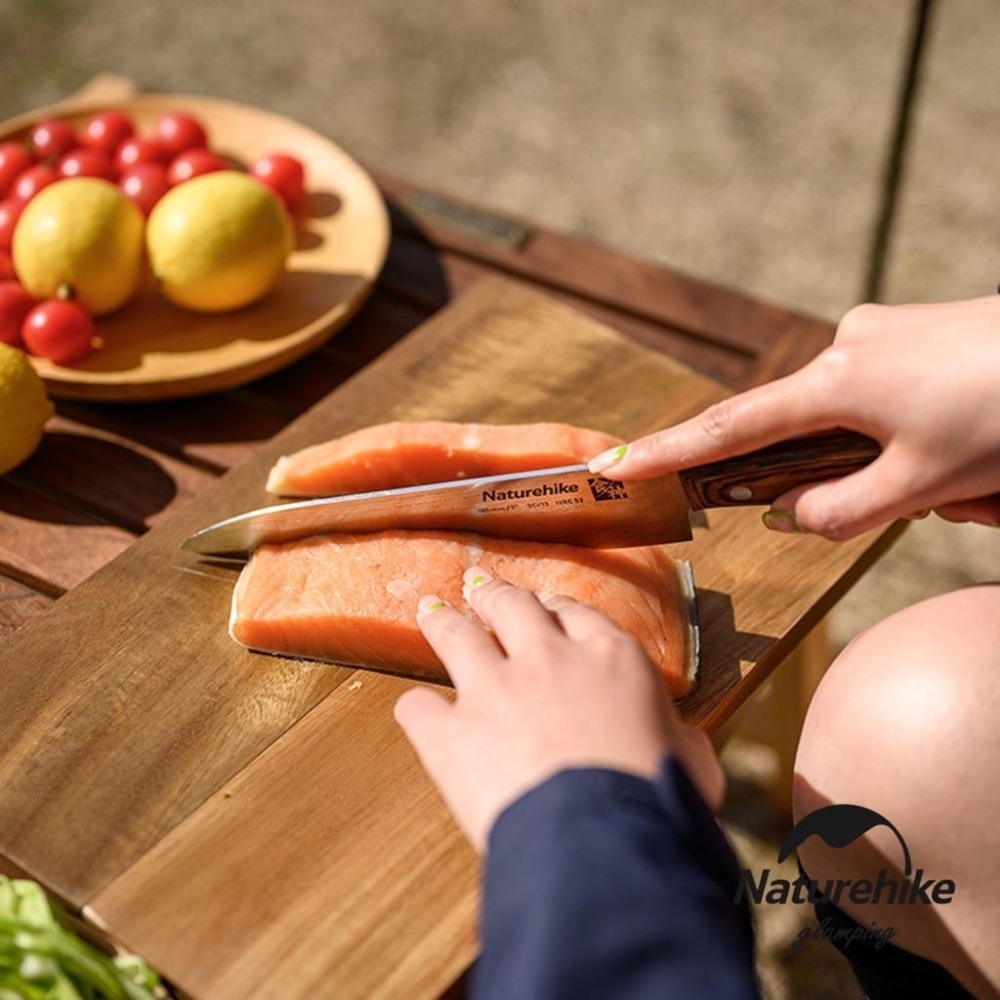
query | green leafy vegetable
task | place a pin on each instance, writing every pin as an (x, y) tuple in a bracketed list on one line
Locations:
[(41, 960)]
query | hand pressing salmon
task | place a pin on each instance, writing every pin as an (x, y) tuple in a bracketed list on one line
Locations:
[(352, 598)]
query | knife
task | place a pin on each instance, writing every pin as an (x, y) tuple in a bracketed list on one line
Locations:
[(566, 504)]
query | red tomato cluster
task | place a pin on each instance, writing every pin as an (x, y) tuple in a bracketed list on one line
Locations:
[(145, 168), (58, 329)]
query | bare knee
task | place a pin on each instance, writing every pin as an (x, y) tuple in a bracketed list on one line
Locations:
[(911, 706), (907, 723)]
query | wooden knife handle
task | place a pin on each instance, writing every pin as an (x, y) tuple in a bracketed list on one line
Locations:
[(761, 476)]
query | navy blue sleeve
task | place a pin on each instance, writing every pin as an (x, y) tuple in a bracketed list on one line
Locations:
[(600, 885)]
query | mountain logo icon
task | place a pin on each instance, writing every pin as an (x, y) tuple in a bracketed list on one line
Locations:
[(839, 826)]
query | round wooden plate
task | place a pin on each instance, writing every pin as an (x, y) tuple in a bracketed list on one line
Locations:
[(154, 350)]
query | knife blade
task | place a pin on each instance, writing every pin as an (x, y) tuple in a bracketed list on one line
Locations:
[(567, 504)]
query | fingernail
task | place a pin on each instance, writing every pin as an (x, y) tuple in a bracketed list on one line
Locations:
[(476, 576), (544, 596), (607, 458), (782, 520), (428, 604)]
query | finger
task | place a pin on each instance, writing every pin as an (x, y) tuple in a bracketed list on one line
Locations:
[(983, 511), (578, 621), (517, 619), (434, 727), (463, 646), (422, 714), (425, 717), (788, 407), (843, 508)]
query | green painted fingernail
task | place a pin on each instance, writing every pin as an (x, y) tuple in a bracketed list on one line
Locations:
[(784, 521), (607, 458), (429, 603), (476, 576)]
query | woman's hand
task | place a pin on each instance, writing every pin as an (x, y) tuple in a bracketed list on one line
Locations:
[(923, 380), (559, 686)]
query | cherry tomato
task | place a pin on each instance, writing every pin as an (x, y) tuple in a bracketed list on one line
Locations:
[(177, 133), (284, 175), (10, 212), (60, 330), (145, 184), (107, 131), (41, 175), (84, 162), (14, 160), (15, 304), (7, 272), (52, 138), (194, 163), (136, 150)]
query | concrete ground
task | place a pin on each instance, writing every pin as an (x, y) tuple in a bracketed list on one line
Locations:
[(741, 142)]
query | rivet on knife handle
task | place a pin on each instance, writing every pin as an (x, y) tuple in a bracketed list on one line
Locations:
[(761, 476)]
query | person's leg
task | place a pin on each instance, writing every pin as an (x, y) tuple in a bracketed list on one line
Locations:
[(907, 723)]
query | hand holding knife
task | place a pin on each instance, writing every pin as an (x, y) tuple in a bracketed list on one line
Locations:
[(567, 504)]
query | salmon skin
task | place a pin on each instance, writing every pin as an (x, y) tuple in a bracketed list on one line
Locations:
[(386, 456), (352, 598)]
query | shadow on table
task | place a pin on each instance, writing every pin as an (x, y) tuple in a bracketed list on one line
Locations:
[(413, 268), (88, 475), (723, 647), (318, 205)]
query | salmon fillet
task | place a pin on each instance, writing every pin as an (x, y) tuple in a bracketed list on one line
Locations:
[(430, 451), (352, 598)]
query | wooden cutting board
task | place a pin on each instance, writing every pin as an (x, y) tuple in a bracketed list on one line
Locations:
[(259, 826)]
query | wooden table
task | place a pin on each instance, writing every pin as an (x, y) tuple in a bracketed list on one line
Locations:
[(106, 474)]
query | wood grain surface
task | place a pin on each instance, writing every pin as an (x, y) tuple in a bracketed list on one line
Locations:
[(129, 709), (720, 331), (51, 545)]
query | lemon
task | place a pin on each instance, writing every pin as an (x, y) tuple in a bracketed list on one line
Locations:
[(24, 408), (218, 242), (83, 233)]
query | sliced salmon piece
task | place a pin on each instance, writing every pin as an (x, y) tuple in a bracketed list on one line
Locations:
[(430, 451), (352, 598)]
